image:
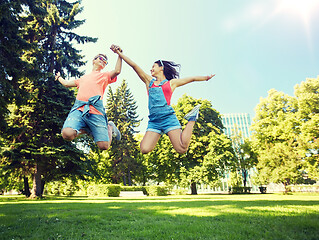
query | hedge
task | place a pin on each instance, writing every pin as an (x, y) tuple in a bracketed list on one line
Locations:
[(102, 190), (132, 188), (239, 190), (67, 188), (156, 191)]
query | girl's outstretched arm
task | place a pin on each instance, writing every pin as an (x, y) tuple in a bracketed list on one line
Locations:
[(177, 82), (64, 82), (142, 75)]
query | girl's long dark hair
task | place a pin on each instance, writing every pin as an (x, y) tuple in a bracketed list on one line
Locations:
[(171, 69)]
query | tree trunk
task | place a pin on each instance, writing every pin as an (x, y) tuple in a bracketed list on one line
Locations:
[(26, 190), (129, 178), (42, 186), (37, 184), (124, 179), (286, 184), (245, 176), (193, 188)]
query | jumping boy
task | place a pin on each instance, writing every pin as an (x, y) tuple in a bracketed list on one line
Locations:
[(88, 113)]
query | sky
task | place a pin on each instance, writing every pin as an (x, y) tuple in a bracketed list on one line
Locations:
[(251, 45)]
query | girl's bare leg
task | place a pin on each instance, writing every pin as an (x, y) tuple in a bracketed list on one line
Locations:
[(149, 141), (181, 139)]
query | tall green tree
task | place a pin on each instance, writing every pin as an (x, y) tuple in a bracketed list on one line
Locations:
[(307, 95), (209, 151), (286, 131), (121, 109), (39, 143), (209, 123), (220, 159), (275, 132), (247, 159), (245, 154), (12, 46)]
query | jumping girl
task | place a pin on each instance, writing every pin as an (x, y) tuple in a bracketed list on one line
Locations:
[(160, 86)]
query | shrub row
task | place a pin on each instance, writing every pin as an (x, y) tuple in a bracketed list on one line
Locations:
[(132, 188), (102, 190), (113, 190), (180, 191), (67, 188), (239, 190), (156, 191)]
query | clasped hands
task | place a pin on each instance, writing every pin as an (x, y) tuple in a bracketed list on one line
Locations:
[(115, 48)]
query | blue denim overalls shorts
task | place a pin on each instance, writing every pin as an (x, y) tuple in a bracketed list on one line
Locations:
[(162, 118)]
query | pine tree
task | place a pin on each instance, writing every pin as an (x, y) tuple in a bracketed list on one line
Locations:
[(39, 144), (121, 109), (12, 45)]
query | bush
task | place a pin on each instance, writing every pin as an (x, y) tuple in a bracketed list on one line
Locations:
[(103, 190), (132, 188), (180, 191), (54, 188), (262, 189), (65, 187), (113, 190), (239, 190), (157, 191)]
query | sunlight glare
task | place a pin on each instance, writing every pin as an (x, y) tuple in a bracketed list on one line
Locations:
[(301, 7)]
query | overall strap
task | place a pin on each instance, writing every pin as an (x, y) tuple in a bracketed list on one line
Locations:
[(151, 82), (162, 82)]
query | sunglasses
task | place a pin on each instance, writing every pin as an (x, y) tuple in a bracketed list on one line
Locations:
[(102, 59)]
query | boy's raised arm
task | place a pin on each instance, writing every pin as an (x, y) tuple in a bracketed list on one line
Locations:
[(64, 82)]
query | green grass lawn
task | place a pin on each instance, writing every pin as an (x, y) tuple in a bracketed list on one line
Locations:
[(251, 216)]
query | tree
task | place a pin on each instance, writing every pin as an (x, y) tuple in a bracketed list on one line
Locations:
[(246, 156), (207, 154), (307, 95), (220, 159), (12, 66), (35, 139), (276, 132), (121, 109), (247, 159)]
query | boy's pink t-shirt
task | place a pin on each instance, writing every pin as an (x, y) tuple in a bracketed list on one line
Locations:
[(93, 84)]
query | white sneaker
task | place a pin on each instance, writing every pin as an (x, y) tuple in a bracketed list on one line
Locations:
[(193, 114), (115, 132)]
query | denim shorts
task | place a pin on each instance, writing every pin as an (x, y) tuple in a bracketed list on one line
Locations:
[(95, 124), (163, 124)]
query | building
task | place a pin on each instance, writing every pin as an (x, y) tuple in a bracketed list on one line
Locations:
[(237, 123)]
